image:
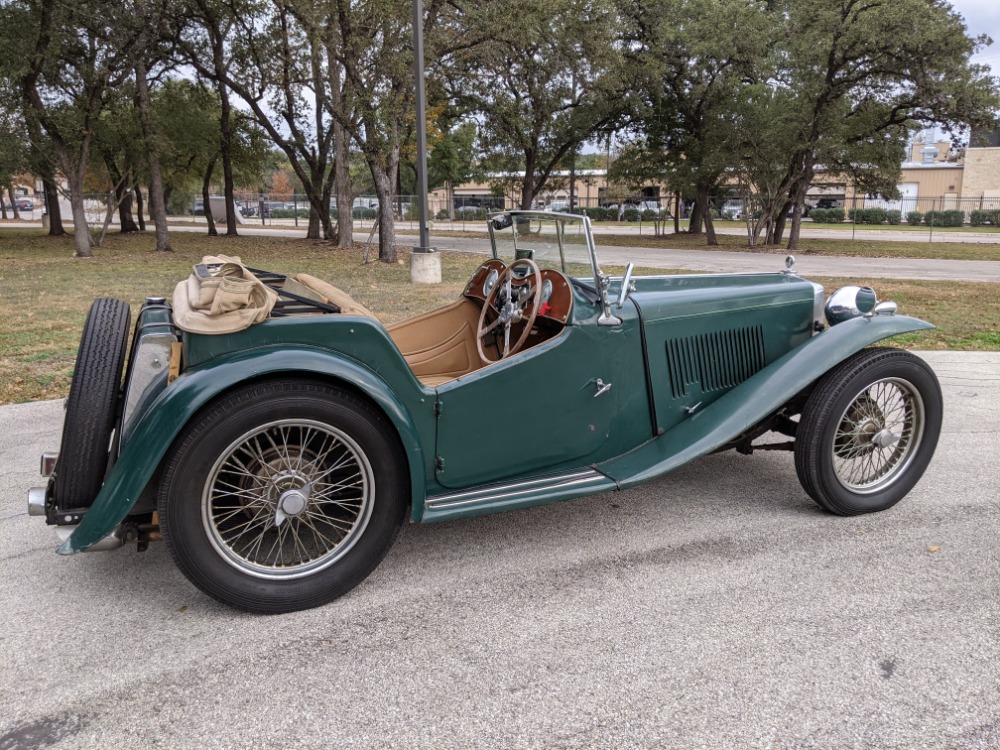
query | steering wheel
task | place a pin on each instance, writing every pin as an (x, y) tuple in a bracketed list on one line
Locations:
[(510, 304)]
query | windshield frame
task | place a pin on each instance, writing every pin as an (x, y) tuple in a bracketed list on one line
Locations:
[(560, 219)]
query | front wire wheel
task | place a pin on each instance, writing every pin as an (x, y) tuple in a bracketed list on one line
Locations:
[(283, 496), (868, 431)]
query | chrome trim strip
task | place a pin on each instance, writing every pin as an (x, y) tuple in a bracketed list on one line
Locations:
[(507, 491)]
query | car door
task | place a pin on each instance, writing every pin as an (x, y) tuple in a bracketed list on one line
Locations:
[(545, 408)]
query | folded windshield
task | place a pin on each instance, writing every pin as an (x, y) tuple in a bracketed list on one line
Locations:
[(552, 240)]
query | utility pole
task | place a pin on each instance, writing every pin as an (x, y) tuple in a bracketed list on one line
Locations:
[(425, 263)]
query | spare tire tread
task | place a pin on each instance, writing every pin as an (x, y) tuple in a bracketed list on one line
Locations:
[(92, 405)]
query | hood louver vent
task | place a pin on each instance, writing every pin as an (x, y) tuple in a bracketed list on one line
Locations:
[(714, 361)]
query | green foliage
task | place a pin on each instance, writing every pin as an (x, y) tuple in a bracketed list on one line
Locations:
[(981, 218), (827, 215), (894, 217), (913, 218), (950, 218), (545, 78)]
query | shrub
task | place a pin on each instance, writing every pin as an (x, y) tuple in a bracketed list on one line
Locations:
[(951, 218), (649, 215), (441, 215), (599, 213), (875, 216), (983, 217), (364, 213), (894, 217), (914, 217), (827, 215), (631, 214), (289, 213)]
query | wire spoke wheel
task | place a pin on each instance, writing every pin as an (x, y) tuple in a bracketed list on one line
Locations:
[(288, 498), (868, 431), (283, 495), (876, 435)]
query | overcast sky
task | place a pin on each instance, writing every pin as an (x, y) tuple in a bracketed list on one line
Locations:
[(983, 17)]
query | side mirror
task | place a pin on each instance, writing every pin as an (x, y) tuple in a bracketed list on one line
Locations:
[(627, 286)]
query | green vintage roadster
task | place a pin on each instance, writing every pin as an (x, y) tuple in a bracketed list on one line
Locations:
[(276, 435)]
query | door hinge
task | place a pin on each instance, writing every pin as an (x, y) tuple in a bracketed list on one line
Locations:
[(439, 463), (437, 408)]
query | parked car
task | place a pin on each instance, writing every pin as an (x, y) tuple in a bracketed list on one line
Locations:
[(732, 209), (25, 204), (277, 435)]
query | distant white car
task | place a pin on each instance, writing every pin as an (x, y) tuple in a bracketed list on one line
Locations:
[(733, 209)]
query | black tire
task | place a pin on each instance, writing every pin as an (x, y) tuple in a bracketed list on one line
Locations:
[(92, 405), (276, 468), (848, 456)]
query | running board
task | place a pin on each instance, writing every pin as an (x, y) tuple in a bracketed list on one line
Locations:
[(522, 493)]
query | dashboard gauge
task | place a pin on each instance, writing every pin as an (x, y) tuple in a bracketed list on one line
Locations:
[(546, 290), (491, 279)]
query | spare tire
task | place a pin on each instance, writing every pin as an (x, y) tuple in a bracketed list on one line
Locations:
[(92, 406)]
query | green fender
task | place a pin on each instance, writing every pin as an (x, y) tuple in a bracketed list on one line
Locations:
[(165, 418), (754, 399)]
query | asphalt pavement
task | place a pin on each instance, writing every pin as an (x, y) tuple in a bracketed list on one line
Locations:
[(715, 607)]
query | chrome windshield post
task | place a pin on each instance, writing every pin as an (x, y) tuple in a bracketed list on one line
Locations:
[(607, 318)]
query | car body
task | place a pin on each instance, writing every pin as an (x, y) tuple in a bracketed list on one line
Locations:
[(25, 204), (314, 432)]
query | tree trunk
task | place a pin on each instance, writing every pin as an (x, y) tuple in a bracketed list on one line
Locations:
[(157, 209), (125, 210), (697, 213), (13, 202), (52, 206), (123, 197), (3, 210), (527, 185), (206, 199), (450, 197), (342, 186), (677, 213), (226, 147), (778, 227), (81, 232), (386, 224), (140, 209), (341, 164), (800, 202)]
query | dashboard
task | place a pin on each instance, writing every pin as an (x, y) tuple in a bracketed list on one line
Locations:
[(557, 295)]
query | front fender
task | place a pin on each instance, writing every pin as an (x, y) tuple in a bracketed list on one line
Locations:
[(755, 398), (163, 421)]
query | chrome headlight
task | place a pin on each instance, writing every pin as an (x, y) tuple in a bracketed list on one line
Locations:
[(849, 302)]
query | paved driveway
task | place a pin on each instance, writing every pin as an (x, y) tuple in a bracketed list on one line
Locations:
[(715, 607)]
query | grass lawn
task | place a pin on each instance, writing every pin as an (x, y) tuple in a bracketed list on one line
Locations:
[(45, 294)]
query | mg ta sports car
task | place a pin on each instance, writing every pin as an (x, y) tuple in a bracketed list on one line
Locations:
[(276, 435)]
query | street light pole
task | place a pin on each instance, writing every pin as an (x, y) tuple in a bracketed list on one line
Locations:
[(418, 74)]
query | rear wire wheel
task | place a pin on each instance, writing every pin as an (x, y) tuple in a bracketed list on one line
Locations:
[(868, 431), (283, 496), (92, 406)]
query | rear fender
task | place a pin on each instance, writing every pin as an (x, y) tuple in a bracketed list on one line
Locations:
[(175, 406), (755, 398)]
